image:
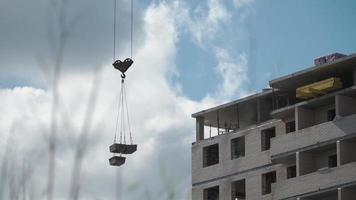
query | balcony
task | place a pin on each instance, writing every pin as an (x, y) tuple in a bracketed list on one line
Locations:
[(311, 136), (315, 182)]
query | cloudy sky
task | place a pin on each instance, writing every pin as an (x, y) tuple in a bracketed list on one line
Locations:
[(189, 56)]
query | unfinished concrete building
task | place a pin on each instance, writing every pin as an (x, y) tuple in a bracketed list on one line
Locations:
[(295, 140)]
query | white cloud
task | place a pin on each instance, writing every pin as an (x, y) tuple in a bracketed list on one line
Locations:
[(160, 117), (204, 24), (234, 74), (160, 120), (243, 3)]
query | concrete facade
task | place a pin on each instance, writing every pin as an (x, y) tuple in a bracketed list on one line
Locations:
[(300, 150)]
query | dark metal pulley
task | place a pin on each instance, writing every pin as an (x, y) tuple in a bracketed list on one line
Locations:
[(123, 66)]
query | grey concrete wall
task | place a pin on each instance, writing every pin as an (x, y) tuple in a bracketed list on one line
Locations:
[(347, 151), (311, 161), (247, 115), (321, 113), (225, 190), (315, 182), (329, 197), (304, 118), (321, 158), (281, 129), (198, 192), (282, 173), (306, 163), (264, 110), (253, 164), (333, 197), (199, 128), (345, 105), (354, 75), (253, 185), (347, 193), (338, 152), (297, 161), (313, 135), (253, 158), (250, 164)]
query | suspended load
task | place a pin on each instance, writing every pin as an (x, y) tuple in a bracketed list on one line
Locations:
[(117, 160), (122, 121), (122, 146)]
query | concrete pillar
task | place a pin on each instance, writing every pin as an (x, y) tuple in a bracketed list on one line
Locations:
[(347, 151), (199, 128), (225, 190), (258, 110), (281, 174), (338, 153), (197, 193), (297, 163), (296, 113), (354, 75), (345, 105), (254, 187), (306, 163), (264, 108), (303, 118)]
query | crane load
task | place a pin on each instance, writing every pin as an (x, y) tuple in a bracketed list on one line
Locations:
[(117, 160), (122, 146), (122, 120)]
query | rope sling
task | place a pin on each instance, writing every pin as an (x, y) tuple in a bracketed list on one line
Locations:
[(122, 118)]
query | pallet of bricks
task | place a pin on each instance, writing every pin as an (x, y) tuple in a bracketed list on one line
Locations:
[(328, 58)]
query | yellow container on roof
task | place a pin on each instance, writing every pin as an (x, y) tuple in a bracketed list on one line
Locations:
[(318, 88)]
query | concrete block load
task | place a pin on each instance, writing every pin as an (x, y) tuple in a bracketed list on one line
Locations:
[(328, 58)]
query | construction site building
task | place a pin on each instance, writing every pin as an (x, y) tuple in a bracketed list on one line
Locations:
[(295, 140)]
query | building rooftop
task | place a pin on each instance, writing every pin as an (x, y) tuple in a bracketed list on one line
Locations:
[(233, 103), (341, 67), (282, 86)]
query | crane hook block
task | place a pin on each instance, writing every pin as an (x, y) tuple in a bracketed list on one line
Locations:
[(123, 66)]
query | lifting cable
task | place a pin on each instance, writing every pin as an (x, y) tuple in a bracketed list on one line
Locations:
[(131, 29), (131, 26), (114, 56), (127, 114), (122, 115), (122, 97), (122, 118)]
